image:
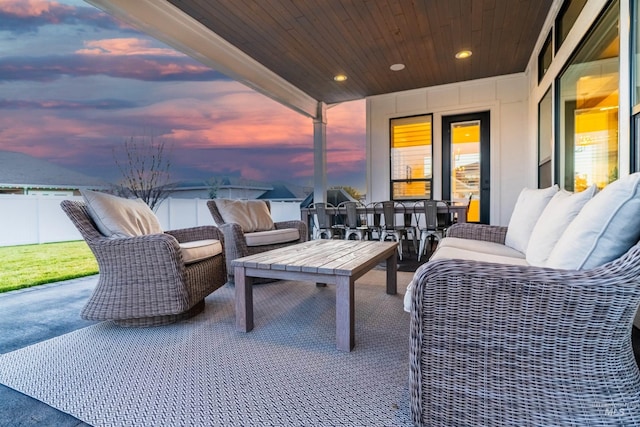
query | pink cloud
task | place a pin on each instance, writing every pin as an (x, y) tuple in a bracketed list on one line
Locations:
[(125, 47), (30, 8)]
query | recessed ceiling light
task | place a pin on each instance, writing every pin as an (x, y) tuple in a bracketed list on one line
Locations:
[(340, 78), (397, 67), (463, 54)]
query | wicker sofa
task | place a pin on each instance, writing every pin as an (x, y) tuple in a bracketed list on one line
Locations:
[(503, 342)]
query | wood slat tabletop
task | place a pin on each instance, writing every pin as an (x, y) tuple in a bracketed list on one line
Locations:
[(339, 257)]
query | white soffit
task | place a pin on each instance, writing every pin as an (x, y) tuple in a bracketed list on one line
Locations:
[(165, 22)]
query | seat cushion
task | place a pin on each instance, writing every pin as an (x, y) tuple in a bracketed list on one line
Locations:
[(198, 250), (251, 215), (480, 246), (528, 208), (272, 237), (119, 217), (497, 253), (464, 254), (607, 226), (556, 217)]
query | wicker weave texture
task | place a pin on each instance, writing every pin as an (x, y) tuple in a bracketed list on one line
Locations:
[(143, 280), (497, 345), (489, 233), (235, 243)]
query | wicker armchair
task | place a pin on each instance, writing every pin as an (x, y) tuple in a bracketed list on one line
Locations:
[(236, 241), (496, 345), (143, 280)]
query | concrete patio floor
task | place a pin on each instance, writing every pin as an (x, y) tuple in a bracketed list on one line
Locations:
[(32, 315)]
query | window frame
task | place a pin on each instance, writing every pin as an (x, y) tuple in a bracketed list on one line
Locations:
[(428, 181)]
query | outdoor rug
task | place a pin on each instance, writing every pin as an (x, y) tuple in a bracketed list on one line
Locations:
[(201, 372)]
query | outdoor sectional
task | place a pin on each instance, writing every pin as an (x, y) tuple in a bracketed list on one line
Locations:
[(496, 340)]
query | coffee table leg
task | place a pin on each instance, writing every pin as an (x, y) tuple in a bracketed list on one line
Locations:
[(345, 327), (244, 300), (392, 274)]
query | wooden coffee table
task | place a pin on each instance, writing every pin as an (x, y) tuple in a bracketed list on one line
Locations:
[(339, 262)]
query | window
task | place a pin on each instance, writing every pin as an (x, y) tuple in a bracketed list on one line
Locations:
[(588, 108), (545, 141), (635, 86), (544, 58), (411, 157), (566, 18)]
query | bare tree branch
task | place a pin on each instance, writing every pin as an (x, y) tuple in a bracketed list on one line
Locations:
[(145, 170)]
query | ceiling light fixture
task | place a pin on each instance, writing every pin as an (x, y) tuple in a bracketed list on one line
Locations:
[(463, 54), (397, 67), (340, 77)]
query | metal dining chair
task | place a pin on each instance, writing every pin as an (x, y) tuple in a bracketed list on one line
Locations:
[(322, 227), (352, 225), (373, 212), (392, 230)]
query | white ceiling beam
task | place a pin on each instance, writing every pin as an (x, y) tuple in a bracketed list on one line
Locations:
[(165, 22)]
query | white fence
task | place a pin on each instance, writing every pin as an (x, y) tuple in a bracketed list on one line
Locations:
[(39, 219)]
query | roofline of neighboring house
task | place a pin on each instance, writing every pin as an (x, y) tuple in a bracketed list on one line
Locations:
[(54, 186), (245, 187), (223, 187)]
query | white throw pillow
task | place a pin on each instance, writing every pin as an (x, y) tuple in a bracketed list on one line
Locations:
[(556, 217), (606, 227), (119, 217), (528, 208), (251, 215)]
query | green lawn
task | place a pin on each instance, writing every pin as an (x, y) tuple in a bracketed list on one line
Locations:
[(30, 265)]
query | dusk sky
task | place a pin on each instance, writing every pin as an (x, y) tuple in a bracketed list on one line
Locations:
[(75, 83)]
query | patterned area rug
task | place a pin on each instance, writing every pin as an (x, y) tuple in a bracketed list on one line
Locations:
[(201, 372)]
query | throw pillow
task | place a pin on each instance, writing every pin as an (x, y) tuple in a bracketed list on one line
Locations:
[(251, 215), (528, 208), (119, 217), (606, 227), (556, 217)]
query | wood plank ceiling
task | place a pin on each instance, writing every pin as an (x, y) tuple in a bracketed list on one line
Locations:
[(309, 42)]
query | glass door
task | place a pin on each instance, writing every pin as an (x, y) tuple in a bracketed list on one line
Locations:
[(465, 156)]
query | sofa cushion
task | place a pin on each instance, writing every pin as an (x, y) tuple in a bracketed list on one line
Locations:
[(251, 215), (198, 250), (555, 218), (447, 249), (480, 246), (407, 297), (451, 252), (607, 226), (528, 208), (119, 217), (272, 237)]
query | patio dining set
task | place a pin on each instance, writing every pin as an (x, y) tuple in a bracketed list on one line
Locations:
[(414, 221)]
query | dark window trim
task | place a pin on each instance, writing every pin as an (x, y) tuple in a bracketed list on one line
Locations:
[(408, 181), (557, 94), (546, 46), (634, 152), (556, 24), (553, 154)]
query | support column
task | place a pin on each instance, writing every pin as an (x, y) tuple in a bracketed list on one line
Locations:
[(320, 154)]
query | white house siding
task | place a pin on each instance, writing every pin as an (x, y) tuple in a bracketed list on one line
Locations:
[(506, 97)]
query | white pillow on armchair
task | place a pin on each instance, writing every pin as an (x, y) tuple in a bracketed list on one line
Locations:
[(119, 217)]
